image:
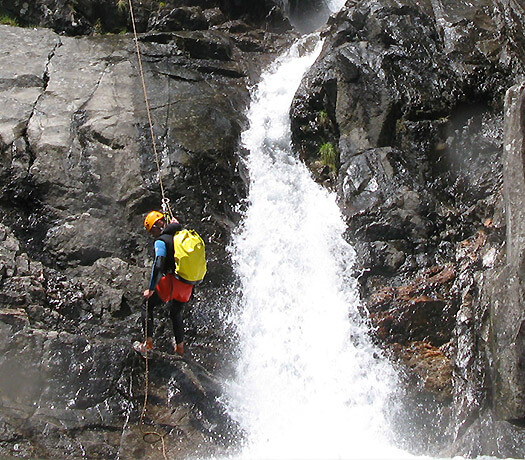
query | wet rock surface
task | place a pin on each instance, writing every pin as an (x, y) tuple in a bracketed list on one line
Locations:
[(409, 96), (77, 176), (102, 16)]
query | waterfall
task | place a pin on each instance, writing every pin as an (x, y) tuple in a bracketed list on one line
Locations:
[(309, 383), (332, 5), (307, 16)]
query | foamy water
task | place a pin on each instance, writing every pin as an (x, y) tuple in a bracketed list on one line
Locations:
[(308, 384)]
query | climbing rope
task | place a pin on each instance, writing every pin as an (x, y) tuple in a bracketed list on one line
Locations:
[(154, 436), (150, 436), (166, 209)]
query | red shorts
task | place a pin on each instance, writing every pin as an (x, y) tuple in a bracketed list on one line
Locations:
[(170, 288)]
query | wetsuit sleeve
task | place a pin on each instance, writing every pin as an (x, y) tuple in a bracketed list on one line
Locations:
[(159, 263)]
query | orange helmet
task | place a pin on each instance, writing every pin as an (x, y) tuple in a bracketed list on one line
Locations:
[(151, 218)]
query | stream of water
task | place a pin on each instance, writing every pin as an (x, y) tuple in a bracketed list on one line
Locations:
[(309, 383)]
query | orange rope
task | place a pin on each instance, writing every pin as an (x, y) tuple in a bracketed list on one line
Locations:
[(165, 204), (165, 201)]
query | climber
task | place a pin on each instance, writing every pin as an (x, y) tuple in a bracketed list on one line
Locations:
[(164, 287)]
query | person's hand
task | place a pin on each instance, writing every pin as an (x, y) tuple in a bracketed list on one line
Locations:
[(148, 293), (174, 221)]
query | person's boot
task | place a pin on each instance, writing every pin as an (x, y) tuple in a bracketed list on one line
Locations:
[(179, 348), (143, 347)]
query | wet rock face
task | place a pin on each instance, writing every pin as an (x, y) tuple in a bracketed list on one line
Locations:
[(87, 16), (509, 324), (77, 177), (410, 95), (84, 397)]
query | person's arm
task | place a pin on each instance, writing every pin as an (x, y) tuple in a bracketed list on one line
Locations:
[(157, 270)]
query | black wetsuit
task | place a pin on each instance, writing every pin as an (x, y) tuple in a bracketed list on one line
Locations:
[(161, 265)]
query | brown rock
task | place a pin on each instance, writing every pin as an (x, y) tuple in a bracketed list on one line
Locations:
[(430, 364)]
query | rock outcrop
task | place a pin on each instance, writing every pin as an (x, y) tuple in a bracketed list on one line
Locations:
[(77, 176), (403, 115), (408, 99), (83, 17), (508, 296), (489, 390)]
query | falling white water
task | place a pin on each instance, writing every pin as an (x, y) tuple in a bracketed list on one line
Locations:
[(309, 382)]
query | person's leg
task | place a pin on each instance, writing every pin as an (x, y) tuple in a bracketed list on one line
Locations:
[(147, 318), (176, 309)]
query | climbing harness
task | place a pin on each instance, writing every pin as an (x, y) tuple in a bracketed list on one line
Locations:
[(165, 203), (166, 209)]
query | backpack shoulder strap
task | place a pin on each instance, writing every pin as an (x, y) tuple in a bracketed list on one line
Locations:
[(170, 256)]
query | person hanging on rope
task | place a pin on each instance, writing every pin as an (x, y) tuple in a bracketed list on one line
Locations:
[(164, 286), (180, 262)]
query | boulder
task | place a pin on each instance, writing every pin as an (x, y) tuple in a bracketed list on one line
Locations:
[(168, 19)]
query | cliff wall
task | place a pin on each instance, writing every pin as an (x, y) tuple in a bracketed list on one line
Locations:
[(413, 115)]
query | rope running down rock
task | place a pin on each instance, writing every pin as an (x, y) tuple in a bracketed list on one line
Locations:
[(165, 201), (166, 209)]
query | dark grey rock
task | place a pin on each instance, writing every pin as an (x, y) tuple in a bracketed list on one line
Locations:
[(410, 95), (112, 16), (508, 321), (78, 175), (184, 18), (214, 16)]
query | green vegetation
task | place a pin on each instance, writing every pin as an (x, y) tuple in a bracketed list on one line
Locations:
[(328, 155), (324, 119), (98, 26), (8, 21), (122, 5)]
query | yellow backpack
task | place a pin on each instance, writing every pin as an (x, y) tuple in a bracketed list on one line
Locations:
[(190, 256)]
